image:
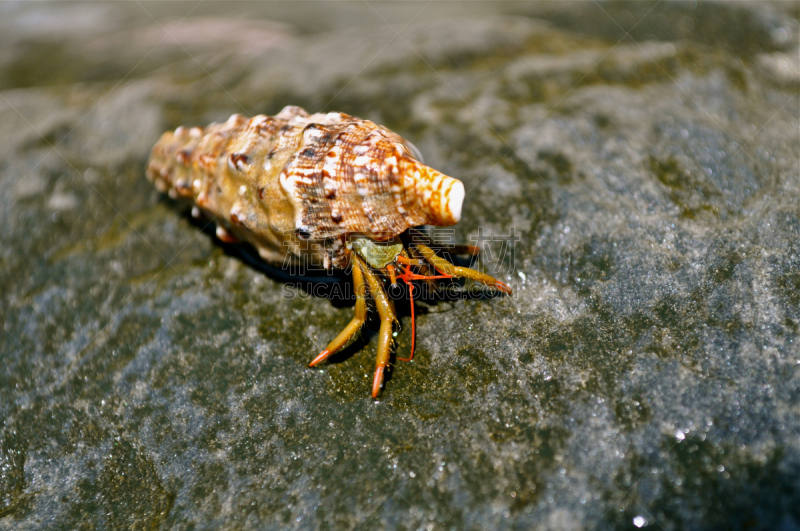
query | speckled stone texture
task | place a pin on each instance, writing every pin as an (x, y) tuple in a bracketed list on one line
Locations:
[(646, 372)]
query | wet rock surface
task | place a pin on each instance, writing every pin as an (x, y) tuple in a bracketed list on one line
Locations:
[(641, 159)]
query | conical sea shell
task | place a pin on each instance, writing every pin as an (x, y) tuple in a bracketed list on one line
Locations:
[(281, 182)]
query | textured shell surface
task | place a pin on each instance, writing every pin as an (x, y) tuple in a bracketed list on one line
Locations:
[(303, 185)]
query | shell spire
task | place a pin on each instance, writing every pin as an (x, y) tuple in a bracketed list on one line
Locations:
[(433, 198)]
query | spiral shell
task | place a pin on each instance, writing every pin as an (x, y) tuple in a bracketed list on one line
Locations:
[(280, 182)]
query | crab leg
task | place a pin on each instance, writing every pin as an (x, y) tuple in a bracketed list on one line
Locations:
[(418, 237), (463, 249), (457, 250), (443, 266), (386, 313), (357, 322)]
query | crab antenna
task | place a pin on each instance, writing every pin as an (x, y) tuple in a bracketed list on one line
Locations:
[(407, 276), (413, 325)]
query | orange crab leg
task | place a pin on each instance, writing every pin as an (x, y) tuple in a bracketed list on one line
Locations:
[(445, 267), (413, 321), (355, 325)]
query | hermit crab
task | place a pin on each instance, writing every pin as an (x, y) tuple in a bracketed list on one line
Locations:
[(325, 189)]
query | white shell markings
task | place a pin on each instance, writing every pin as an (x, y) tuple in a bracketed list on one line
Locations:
[(222, 234), (287, 183)]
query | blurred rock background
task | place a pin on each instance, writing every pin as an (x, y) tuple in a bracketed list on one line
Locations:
[(645, 156)]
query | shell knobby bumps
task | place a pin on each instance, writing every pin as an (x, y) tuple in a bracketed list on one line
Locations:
[(350, 186)]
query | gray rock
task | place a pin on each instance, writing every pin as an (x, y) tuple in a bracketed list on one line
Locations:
[(631, 169)]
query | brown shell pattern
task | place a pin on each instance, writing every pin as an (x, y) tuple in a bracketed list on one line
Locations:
[(279, 182)]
